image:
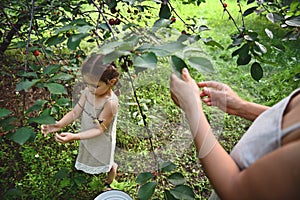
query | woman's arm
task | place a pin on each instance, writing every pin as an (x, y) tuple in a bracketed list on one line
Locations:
[(222, 96), (274, 176)]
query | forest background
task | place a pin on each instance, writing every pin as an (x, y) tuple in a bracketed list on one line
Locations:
[(252, 46)]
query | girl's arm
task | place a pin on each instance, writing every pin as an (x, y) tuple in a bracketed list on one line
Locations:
[(74, 113), (66, 120), (109, 111)]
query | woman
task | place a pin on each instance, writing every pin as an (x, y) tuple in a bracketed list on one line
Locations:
[(265, 164)]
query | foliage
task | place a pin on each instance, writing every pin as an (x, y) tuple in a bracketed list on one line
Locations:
[(53, 37)]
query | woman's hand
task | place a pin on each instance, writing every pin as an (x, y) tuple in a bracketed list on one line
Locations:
[(50, 128), (220, 95), (66, 137), (185, 93)]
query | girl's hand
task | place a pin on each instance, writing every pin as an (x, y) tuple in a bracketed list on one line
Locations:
[(66, 137), (49, 128)]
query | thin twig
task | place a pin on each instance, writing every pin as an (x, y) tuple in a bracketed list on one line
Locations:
[(240, 7), (27, 50), (185, 24), (230, 17), (143, 116), (105, 19)]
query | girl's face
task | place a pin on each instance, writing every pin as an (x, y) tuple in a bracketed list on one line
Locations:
[(95, 86)]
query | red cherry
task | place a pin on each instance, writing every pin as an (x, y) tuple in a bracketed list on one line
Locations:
[(224, 5), (117, 21), (173, 19), (183, 32), (111, 22), (36, 53)]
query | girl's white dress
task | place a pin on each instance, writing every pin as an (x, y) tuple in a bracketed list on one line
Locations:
[(96, 155)]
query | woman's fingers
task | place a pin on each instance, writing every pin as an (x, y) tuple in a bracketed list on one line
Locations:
[(212, 84)]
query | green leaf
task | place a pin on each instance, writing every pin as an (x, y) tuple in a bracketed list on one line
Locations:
[(244, 50), (51, 69), (66, 182), (4, 112), (148, 60), (22, 135), (38, 104), (243, 60), (54, 40), (274, 17), (64, 29), (114, 56), (110, 47), (160, 23), (249, 11), (293, 21), (129, 25), (62, 173), (256, 71), (183, 192), (124, 46), (75, 39), (62, 76), (85, 28), (210, 42), (261, 47), (79, 179), (176, 178), (103, 26), (146, 191), (8, 124), (201, 64), (30, 74), (237, 41), (43, 119), (269, 33), (167, 49), (111, 3), (142, 178), (164, 11), (203, 28), (26, 85), (167, 166), (169, 196), (177, 65), (63, 101), (56, 88), (79, 22)]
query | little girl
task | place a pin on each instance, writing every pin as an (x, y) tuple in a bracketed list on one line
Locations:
[(98, 106)]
